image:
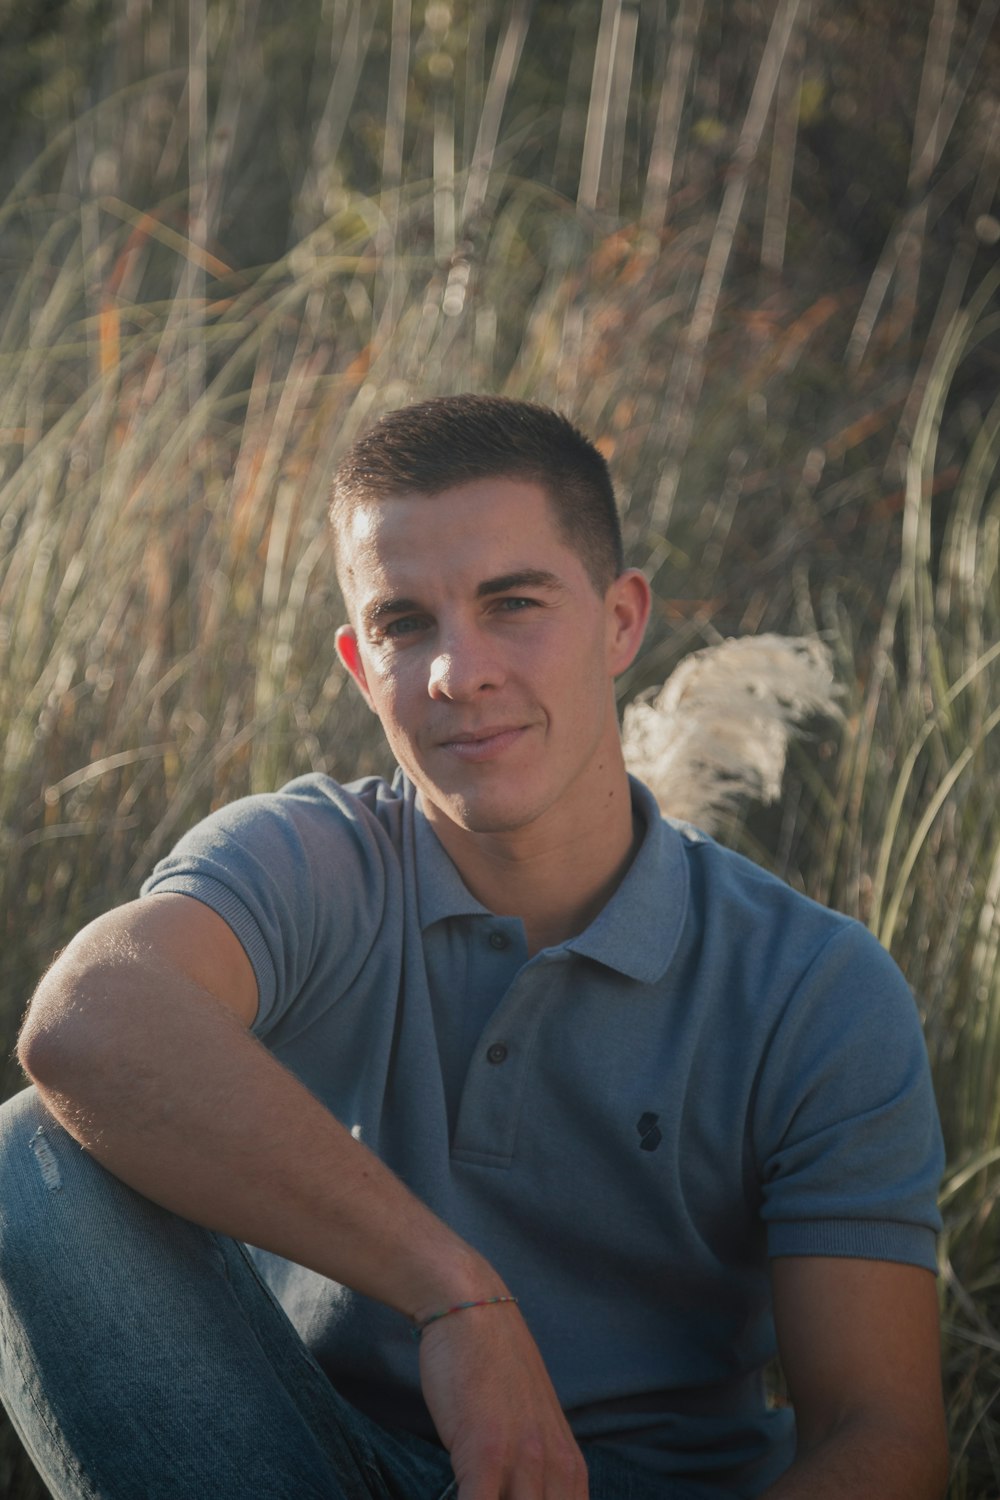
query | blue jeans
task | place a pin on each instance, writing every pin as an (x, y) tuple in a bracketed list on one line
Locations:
[(143, 1358)]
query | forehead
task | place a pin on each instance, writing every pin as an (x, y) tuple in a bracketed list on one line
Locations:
[(463, 534)]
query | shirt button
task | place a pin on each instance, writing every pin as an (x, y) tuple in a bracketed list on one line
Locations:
[(496, 1052), (499, 941)]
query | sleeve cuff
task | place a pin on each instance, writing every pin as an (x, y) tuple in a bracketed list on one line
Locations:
[(226, 904), (866, 1239)]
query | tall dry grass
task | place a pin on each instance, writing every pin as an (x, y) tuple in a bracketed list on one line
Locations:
[(749, 247)]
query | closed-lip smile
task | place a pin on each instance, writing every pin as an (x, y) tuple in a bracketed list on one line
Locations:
[(482, 744)]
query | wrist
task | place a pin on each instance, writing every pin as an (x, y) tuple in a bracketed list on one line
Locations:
[(417, 1330), (457, 1277)]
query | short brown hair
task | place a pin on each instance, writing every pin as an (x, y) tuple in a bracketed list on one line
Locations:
[(434, 445)]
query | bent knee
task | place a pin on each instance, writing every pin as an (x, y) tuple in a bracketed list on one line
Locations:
[(39, 1165), (29, 1160)]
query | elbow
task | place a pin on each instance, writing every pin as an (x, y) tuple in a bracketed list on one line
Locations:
[(45, 1045), (877, 1453), (65, 1022), (78, 1014)]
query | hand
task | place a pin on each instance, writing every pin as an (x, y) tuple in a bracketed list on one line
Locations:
[(496, 1411)]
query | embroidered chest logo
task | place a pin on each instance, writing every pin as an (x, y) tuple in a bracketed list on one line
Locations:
[(649, 1131)]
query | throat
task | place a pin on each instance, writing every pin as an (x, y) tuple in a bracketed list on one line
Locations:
[(557, 892)]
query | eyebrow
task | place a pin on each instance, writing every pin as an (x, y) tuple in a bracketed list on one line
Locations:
[(523, 578), (381, 608)]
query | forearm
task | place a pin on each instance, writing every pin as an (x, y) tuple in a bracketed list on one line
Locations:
[(864, 1459), (175, 1098)]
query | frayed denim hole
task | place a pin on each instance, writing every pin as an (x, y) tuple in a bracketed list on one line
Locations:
[(46, 1160)]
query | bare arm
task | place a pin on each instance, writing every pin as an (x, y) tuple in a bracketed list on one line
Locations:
[(859, 1345), (137, 1040)]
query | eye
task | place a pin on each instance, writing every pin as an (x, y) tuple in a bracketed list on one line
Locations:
[(514, 604), (405, 625)]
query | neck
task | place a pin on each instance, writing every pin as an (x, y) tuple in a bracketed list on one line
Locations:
[(555, 879)]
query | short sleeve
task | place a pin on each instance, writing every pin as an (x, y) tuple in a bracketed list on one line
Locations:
[(300, 876), (845, 1126)]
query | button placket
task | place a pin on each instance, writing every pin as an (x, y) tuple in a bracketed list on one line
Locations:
[(490, 1109)]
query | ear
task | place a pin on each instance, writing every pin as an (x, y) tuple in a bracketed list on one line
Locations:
[(346, 641), (628, 602)]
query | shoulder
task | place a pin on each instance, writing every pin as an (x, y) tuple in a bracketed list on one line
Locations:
[(787, 974), (303, 876), (309, 819), (729, 931), (742, 916)]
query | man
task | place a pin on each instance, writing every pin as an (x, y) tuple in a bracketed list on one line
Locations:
[(557, 1111)]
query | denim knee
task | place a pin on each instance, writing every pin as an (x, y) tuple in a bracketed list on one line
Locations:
[(32, 1173)]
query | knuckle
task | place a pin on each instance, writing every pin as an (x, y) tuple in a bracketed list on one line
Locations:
[(490, 1454), (571, 1462), (532, 1451)]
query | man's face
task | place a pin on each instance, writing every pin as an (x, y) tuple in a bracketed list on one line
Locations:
[(481, 643)]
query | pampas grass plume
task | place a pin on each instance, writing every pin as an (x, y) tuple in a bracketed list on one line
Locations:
[(716, 734)]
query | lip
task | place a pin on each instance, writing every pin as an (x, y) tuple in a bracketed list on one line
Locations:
[(483, 744)]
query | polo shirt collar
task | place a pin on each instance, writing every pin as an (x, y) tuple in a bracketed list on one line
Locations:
[(638, 930), (635, 934), (441, 891)]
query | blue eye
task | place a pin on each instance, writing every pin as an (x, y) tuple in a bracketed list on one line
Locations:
[(405, 625)]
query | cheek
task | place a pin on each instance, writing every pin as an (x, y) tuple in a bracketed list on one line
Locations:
[(394, 690)]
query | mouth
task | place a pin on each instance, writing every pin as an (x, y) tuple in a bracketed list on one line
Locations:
[(483, 744)]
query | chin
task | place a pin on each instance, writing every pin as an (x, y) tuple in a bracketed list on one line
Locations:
[(477, 819), (481, 814)]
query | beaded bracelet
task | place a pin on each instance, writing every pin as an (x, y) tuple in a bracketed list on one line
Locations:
[(446, 1312)]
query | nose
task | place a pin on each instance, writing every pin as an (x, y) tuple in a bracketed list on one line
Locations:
[(463, 667)]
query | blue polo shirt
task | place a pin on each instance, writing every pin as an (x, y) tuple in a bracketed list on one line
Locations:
[(716, 1071)]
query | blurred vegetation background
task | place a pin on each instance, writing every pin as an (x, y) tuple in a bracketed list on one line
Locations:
[(749, 245)]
